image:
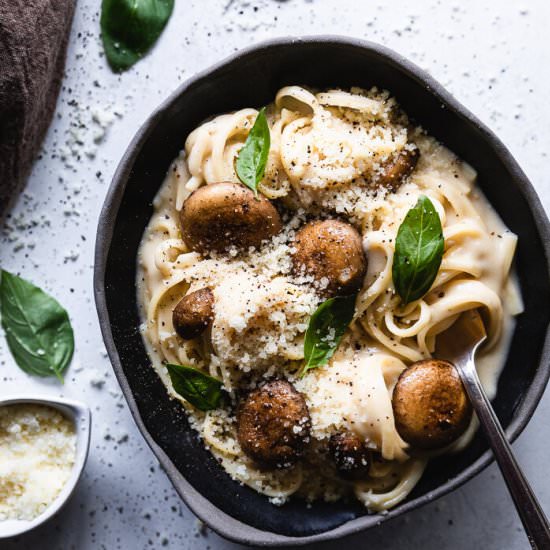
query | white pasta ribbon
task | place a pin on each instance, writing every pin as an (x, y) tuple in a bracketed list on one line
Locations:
[(354, 394), (383, 500), (295, 98), (339, 98), (379, 276)]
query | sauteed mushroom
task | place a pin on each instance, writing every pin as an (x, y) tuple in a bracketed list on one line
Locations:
[(350, 455), (273, 424), (221, 215), (398, 168), (193, 313), (430, 404), (331, 251)]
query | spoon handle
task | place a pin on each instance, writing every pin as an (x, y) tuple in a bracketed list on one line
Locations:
[(529, 510)]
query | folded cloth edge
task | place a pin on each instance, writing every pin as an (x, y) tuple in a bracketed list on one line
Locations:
[(33, 46)]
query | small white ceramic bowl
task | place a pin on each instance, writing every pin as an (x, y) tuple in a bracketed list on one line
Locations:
[(81, 416)]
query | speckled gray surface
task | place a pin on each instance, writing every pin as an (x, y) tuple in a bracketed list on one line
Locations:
[(492, 56)]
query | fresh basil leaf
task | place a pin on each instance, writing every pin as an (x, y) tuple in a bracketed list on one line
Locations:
[(326, 329), (38, 330), (418, 251), (252, 157), (200, 389), (130, 27)]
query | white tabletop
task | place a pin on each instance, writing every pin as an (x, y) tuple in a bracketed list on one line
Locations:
[(493, 56)]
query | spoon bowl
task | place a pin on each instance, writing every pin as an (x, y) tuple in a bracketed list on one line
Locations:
[(467, 333)]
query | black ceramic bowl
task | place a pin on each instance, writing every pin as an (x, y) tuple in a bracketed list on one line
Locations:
[(251, 78)]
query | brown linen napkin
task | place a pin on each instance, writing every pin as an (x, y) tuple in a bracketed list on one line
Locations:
[(33, 43)]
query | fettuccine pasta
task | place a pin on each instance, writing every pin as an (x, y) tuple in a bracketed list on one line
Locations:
[(327, 156)]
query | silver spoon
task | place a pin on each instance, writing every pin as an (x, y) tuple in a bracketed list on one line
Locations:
[(459, 345)]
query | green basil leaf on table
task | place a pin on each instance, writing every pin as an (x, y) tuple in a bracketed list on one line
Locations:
[(252, 159), (129, 28), (419, 250), (38, 329), (200, 389), (326, 329)]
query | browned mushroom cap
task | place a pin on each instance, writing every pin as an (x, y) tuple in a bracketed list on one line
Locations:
[(193, 313), (221, 215), (350, 456), (273, 425), (395, 170), (331, 251), (430, 405)]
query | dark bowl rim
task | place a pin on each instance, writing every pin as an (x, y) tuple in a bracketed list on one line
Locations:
[(218, 520)]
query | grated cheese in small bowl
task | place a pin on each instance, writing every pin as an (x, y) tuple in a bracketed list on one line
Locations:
[(37, 455)]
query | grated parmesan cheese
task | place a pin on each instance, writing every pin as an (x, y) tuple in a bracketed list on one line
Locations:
[(37, 454)]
